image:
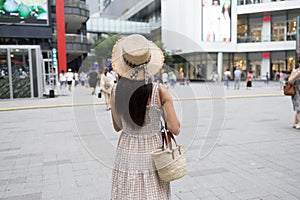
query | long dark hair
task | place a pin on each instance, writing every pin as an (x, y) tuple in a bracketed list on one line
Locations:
[(132, 97), (229, 9)]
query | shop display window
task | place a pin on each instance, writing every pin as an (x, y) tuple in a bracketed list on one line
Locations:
[(291, 30), (4, 75), (278, 31), (242, 33), (255, 33)]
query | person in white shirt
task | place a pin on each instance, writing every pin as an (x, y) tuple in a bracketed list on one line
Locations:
[(227, 75), (114, 75), (165, 79), (70, 79), (237, 78), (62, 80), (76, 78), (106, 85)]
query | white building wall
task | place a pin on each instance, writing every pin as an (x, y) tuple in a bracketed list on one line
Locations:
[(267, 7), (181, 25)]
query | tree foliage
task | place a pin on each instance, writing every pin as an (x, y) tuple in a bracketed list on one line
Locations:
[(169, 60)]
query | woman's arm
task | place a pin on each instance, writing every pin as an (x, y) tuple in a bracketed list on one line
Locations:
[(294, 75), (173, 123), (114, 114)]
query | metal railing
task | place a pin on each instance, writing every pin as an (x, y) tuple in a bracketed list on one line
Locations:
[(73, 3), (249, 2), (74, 38), (77, 4)]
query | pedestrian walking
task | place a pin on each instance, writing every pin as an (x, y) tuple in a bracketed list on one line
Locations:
[(237, 78), (93, 80), (295, 80), (165, 78), (137, 107), (70, 79), (267, 78), (249, 80), (172, 78), (214, 77), (62, 81), (181, 76), (106, 85), (83, 78), (76, 79), (227, 75)]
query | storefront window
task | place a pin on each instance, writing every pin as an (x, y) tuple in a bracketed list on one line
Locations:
[(278, 31), (211, 65), (291, 25), (241, 62), (291, 30), (4, 76), (291, 61), (20, 73), (255, 67), (255, 33), (277, 65), (227, 63), (242, 28)]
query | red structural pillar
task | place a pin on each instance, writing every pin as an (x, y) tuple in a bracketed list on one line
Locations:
[(61, 35)]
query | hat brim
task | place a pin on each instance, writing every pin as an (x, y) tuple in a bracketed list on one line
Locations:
[(121, 68)]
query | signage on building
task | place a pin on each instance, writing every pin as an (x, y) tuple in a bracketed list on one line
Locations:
[(216, 20), (266, 55), (32, 12), (54, 58)]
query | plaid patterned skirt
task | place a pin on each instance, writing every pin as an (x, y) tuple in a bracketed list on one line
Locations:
[(134, 176)]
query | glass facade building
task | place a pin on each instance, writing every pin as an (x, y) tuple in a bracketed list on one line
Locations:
[(26, 37), (20, 72), (211, 36)]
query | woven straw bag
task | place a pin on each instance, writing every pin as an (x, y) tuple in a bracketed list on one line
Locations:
[(169, 162)]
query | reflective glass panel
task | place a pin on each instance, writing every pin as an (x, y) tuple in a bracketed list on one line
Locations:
[(20, 73), (4, 78)]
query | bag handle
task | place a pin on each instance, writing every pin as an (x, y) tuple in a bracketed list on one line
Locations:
[(167, 138)]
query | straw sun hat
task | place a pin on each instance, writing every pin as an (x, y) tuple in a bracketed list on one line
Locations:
[(135, 57)]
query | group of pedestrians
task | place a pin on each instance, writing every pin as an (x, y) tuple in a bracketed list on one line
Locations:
[(168, 78), (66, 80), (237, 78), (105, 81)]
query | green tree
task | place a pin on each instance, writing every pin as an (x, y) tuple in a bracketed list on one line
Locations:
[(169, 60), (103, 48)]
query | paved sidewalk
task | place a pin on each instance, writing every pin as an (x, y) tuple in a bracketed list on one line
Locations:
[(240, 145)]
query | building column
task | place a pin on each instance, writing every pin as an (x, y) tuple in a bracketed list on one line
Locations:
[(265, 67), (220, 66), (266, 28), (61, 36)]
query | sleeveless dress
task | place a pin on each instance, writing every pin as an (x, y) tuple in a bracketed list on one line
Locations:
[(134, 176)]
